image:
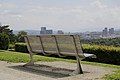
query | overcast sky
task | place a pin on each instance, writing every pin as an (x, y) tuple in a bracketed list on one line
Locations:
[(66, 15)]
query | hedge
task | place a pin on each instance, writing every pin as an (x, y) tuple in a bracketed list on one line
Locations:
[(105, 54), (21, 47)]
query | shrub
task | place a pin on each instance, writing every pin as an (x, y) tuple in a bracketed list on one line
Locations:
[(105, 54), (4, 41), (21, 47), (11, 46)]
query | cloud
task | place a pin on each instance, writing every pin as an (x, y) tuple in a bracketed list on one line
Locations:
[(69, 18), (0, 5), (52, 15), (4, 12), (98, 4), (7, 6), (9, 10)]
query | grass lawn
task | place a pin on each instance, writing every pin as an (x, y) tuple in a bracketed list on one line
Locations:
[(23, 57)]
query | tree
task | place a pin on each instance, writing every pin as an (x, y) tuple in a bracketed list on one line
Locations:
[(4, 41), (109, 42), (5, 29), (20, 35)]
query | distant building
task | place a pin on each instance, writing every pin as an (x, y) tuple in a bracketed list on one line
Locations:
[(105, 32), (45, 31), (60, 32), (42, 32), (49, 31), (111, 31), (108, 33), (43, 28), (91, 35)]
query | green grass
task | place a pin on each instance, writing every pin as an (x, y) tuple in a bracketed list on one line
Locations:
[(11, 56), (115, 76)]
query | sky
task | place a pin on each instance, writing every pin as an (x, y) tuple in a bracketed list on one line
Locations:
[(66, 15)]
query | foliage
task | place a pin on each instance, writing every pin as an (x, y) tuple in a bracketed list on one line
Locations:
[(4, 41), (11, 46), (9, 32), (20, 35), (108, 42), (105, 54), (21, 47)]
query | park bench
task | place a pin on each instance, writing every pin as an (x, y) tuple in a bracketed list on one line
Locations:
[(61, 45)]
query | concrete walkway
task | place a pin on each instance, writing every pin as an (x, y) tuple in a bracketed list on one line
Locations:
[(57, 70)]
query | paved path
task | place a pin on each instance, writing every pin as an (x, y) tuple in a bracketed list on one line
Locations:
[(57, 70)]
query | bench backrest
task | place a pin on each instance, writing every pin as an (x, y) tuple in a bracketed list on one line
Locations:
[(57, 44)]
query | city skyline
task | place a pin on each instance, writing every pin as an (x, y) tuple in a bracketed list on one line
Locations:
[(66, 15)]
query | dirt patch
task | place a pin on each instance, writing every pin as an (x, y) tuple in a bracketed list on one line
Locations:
[(57, 70)]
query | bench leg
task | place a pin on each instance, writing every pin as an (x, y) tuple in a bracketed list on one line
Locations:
[(31, 62), (79, 68)]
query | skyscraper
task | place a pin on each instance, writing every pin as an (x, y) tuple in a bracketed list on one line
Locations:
[(111, 31), (105, 32), (43, 28), (45, 31)]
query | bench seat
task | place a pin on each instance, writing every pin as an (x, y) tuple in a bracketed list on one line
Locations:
[(84, 55)]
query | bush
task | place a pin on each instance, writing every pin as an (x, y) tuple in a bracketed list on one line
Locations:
[(4, 41), (21, 47), (11, 46), (105, 54)]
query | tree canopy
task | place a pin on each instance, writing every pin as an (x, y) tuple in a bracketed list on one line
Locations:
[(20, 36), (5, 29), (109, 42)]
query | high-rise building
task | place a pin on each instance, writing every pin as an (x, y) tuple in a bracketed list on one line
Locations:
[(111, 31), (45, 31), (105, 32), (43, 28)]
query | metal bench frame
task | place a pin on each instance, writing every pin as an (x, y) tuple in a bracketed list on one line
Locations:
[(79, 55)]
